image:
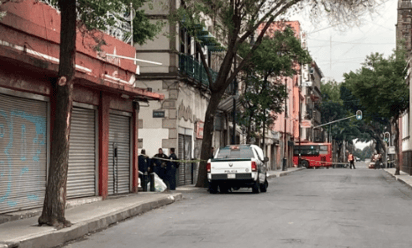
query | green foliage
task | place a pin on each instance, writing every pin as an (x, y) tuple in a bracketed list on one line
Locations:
[(99, 14), (332, 108), (278, 56), (263, 95), (365, 153), (380, 86)]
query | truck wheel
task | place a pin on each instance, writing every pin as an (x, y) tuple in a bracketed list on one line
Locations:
[(212, 188), (255, 187), (264, 186), (224, 189)]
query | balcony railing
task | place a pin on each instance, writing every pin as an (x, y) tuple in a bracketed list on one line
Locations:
[(194, 69)]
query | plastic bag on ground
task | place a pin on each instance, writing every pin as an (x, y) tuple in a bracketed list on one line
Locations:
[(160, 186)]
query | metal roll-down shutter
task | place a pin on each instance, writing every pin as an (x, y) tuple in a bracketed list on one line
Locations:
[(185, 169), (81, 178), (23, 153), (119, 154)]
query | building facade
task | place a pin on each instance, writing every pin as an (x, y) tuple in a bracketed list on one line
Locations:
[(104, 121), (177, 121), (404, 38)]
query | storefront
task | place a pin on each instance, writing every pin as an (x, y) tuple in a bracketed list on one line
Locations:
[(119, 153), (82, 174), (104, 115), (23, 150)]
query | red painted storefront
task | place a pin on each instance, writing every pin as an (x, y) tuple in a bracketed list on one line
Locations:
[(29, 52)]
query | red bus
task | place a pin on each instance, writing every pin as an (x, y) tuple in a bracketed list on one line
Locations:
[(313, 154)]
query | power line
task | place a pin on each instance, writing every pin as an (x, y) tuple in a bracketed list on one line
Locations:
[(356, 43)]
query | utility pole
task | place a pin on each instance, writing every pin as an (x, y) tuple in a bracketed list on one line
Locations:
[(284, 162)]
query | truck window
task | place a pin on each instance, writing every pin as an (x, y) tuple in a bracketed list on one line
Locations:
[(235, 152), (259, 153)]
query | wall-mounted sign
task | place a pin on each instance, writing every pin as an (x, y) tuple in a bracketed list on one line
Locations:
[(158, 113), (305, 124), (199, 129)]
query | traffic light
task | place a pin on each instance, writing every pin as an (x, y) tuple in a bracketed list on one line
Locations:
[(359, 115), (387, 137)]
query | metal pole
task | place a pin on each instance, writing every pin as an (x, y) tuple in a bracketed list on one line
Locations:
[(300, 119), (284, 164), (234, 105), (131, 22)]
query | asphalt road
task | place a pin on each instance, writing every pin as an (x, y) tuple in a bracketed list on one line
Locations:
[(310, 208)]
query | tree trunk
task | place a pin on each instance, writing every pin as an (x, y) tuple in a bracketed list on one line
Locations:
[(395, 123), (264, 135), (55, 199), (249, 128), (207, 138)]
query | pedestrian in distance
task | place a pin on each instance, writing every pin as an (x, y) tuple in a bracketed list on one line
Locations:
[(159, 164), (377, 158), (351, 161), (144, 168), (171, 170)]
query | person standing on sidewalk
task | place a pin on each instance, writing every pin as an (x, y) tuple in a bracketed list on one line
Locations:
[(159, 165), (144, 168), (171, 170), (351, 161)]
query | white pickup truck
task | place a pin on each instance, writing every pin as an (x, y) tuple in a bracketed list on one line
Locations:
[(237, 166)]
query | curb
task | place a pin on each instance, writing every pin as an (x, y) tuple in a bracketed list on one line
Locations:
[(397, 178), (78, 230), (285, 173)]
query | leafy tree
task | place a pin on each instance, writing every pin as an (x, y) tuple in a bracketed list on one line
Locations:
[(234, 23), (263, 93), (372, 125), (87, 15), (332, 108), (381, 89)]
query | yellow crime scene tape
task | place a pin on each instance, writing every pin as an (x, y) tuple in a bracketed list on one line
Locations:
[(325, 162), (174, 160)]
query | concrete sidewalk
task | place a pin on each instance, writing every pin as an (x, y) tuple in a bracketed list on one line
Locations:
[(92, 217), (403, 177), (85, 218)]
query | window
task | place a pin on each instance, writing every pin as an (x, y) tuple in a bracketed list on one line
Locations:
[(235, 152), (306, 150), (323, 149), (405, 125)]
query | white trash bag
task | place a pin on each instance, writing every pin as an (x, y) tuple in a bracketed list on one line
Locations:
[(160, 186)]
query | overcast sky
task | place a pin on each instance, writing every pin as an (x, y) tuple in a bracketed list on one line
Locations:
[(338, 52)]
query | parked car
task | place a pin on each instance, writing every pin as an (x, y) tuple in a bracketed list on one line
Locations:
[(238, 166)]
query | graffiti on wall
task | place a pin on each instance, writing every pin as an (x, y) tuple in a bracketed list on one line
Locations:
[(185, 113), (22, 156)]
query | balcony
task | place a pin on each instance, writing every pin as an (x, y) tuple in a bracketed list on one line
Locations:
[(194, 69)]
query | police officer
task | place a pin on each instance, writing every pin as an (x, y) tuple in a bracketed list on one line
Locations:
[(159, 165), (171, 169), (144, 168)]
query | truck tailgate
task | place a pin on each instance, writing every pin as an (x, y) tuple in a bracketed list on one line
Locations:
[(223, 166)]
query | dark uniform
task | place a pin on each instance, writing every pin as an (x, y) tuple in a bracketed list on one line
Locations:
[(171, 171), (144, 167), (159, 166)]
